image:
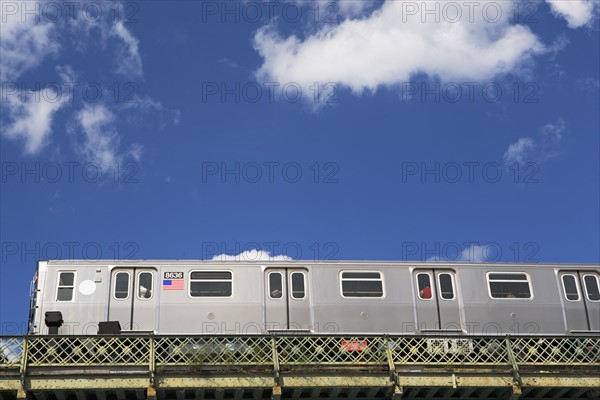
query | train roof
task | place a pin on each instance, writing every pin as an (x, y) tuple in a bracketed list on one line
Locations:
[(306, 263)]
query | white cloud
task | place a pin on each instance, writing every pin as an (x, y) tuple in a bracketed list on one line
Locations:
[(553, 132), (327, 11), (150, 106), (349, 7), (475, 253), (537, 150), (146, 103), (519, 151), (559, 44), (25, 43), (589, 84), (136, 151), (251, 255), (129, 62), (388, 47), (66, 73), (31, 114), (577, 13), (100, 140), (107, 32), (550, 137), (472, 253)]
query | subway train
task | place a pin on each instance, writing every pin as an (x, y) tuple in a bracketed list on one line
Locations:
[(78, 297)]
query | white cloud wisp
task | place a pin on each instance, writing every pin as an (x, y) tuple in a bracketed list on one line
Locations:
[(25, 43), (577, 13), (251, 255), (537, 150), (32, 115), (388, 47), (100, 141)]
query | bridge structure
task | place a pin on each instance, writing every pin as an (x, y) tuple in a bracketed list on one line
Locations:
[(145, 366)]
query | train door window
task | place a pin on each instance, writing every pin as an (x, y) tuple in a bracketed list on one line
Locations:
[(121, 285), (298, 291), (362, 284), (275, 285), (145, 285), (424, 286), (446, 286), (570, 287), (211, 284), (591, 287), (509, 285), (66, 286)]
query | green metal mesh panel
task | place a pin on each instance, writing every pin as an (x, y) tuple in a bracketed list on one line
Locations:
[(325, 350), (438, 350), (213, 350), (557, 350), (11, 349), (299, 350), (97, 350)]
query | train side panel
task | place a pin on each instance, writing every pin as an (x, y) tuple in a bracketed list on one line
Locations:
[(393, 312), (539, 312), (240, 313), (352, 297), (82, 301)]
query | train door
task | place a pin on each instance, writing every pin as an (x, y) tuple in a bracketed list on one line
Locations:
[(581, 300), (287, 303), (133, 298), (436, 299)]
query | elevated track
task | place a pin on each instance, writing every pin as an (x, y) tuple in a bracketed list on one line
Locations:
[(131, 367)]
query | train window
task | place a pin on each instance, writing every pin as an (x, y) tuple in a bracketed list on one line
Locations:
[(446, 286), (570, 287), (509, 285), (121, 285), (298, 291), (275, 285), (424, 286), (66, 286), (145, 285), (210, 284), (362, 284), (591, 287)]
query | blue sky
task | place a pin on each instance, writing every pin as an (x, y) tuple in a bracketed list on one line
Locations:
[(359, 130)]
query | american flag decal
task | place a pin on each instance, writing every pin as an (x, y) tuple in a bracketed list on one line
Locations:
[(172, 284)]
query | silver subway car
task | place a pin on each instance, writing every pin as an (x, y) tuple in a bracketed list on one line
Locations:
[(345, 297)]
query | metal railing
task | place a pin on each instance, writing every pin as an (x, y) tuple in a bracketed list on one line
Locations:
[(283, 351)]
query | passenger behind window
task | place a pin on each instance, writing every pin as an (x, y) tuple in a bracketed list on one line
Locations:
[(425, 293), (145, 293)]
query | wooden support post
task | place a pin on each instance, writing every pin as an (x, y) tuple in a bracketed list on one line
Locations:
[(517, 382), (397, 391), (276, 393), (277, 387), (21, 394), (151, 393), (275, 362), (152, 360), (516, 392)]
